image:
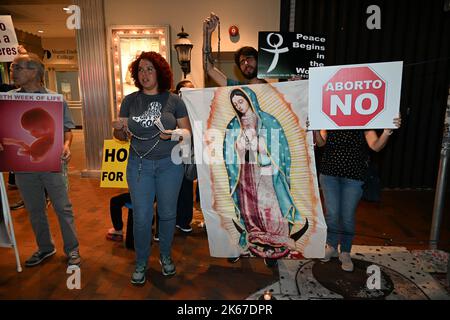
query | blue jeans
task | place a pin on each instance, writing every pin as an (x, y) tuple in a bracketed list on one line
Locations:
[(32, 186), (341, 197), (161, 178)]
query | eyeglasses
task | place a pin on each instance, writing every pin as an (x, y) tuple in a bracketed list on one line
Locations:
[(246, 60), (18, 67)]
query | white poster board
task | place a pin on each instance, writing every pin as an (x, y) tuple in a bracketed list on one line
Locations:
[(361, 96), (8, 40)]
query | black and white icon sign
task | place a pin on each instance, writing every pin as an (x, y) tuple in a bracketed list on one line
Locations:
[(276, 51), (286, 54)]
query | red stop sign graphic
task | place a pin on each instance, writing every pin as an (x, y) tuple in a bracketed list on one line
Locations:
[(353, 96)]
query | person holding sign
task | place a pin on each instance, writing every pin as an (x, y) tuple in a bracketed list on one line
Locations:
[(149, 117), (246, 59), (28, 73), (5, 87), (342, 172)]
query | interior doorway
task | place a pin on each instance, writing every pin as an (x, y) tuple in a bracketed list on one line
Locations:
[(66, 81)]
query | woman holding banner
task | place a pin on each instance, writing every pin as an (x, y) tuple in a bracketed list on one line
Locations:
[(342, 172)]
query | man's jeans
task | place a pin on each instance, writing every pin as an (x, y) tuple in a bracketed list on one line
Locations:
[(161, 178), (341, 196), (31, 187)]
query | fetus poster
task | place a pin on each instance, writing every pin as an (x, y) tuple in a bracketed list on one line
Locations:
[(256, 170), (31, 132)]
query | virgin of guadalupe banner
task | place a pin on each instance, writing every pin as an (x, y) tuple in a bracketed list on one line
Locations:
[(256, 170)]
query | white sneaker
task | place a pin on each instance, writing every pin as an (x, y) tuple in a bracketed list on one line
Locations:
[(330, 252), (187, 229), (347, 264)]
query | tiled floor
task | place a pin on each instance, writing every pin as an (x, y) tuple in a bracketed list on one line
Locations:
[(403, 219), (401, 275)]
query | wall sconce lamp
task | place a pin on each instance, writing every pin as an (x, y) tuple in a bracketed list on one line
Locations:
[(183, 46)]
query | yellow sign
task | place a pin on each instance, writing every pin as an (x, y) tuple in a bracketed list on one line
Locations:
[(114, 164)]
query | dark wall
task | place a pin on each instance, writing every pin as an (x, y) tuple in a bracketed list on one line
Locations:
[(415, 32)]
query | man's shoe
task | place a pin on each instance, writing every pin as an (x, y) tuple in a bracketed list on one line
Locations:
[(156, 237), (347, 264), (17, 205), (270, 263), (38, 257), (330, 252), (167, 265), (233, 259), (138, 276), (187, 229), (74, 258), (114, 235)]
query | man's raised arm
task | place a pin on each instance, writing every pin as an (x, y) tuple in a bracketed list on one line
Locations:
[(209, 25)]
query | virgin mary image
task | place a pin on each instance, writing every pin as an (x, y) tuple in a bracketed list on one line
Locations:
[(258, 164)]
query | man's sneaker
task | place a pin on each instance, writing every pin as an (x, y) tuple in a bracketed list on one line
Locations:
[(138, 276), (156, 237), (114, 235), (330, 252), (17, 205), (187, 229), (38, 257), (74, 258), (233, 259), (167, 265), (270, 263), (347, 264)]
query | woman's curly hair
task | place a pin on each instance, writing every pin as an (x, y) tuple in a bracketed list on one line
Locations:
[(163, 71)]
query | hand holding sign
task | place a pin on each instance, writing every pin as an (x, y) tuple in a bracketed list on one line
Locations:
[(397, 122), (120, 129)]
